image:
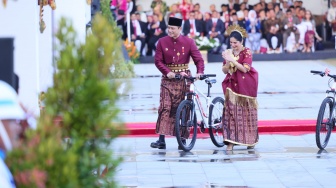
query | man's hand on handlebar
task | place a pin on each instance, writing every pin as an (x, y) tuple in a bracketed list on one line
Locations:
[(198, 76), (171, 75), (180, 75)]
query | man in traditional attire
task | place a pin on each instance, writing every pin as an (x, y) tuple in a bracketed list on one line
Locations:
[(172, 57)]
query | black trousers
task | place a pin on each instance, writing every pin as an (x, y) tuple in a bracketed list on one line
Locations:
[(269, 36)]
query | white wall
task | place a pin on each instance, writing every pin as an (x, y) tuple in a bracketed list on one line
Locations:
[(33, 50), (19, 20), (316, 6)]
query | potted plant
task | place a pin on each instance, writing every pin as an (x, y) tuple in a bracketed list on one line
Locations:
[(204, 43)]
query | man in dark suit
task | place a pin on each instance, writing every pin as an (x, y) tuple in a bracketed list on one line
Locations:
[(192, 27), (225, 9), (138, 32), (248, 6), (157, 30), (233, 7), (215, 29)]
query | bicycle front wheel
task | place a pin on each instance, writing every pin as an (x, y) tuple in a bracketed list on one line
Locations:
[(324, 123), (215, 121), (186, 125)]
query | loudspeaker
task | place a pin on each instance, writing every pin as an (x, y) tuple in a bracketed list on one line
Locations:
[(6, 61)]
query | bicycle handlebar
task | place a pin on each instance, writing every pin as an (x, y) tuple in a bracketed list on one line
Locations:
[(322, 74), (202, 77)]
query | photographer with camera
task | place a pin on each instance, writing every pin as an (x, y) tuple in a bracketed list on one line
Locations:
[(289, 23)]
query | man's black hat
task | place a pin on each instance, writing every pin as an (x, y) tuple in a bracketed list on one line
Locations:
[(175, 21)]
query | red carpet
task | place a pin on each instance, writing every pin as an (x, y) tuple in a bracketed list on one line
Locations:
[(265, 127)]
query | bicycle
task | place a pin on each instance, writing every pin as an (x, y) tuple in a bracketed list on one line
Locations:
[(326, 117), (186, 119)]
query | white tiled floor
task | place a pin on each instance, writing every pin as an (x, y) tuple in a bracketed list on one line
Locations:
[(277, 161)]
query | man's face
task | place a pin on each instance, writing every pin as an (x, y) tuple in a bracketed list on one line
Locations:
[(196, 7), (191, 15), (302, 13), (174, 8), (215, 14), (333, 3), (212, 8), (234, 18), (174, 31), (133, 17), (13, 131), (289, 14), (271, 14)]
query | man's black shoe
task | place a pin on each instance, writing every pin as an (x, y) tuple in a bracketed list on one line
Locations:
[(158, 144)]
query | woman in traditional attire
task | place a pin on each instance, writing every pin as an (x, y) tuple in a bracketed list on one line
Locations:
[(240, 122)]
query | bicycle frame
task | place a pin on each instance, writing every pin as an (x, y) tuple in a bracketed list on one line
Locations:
[(196, 93)]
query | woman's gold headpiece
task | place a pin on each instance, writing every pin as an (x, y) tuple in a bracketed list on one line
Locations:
[(237, 28)]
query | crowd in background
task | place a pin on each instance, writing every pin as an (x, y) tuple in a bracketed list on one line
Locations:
[(273, 26)]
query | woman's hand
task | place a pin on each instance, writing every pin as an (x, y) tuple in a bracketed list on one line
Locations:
[(227, 56)]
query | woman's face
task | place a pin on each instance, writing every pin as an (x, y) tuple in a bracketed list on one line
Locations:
[(253, 15), (235, 44), (308, 15)]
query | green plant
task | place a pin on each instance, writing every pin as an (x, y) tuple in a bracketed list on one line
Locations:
[(84, 97)]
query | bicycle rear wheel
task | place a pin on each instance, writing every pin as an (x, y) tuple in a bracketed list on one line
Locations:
[(215, 121), (186, 125), (324, 123)]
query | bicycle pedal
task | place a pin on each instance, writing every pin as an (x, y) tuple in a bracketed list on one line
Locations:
[(202, 128)]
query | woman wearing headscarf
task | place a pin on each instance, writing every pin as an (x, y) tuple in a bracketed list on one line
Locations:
[(253, 28)]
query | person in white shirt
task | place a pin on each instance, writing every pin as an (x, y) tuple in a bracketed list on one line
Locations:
[(138, 33), (331, 17)]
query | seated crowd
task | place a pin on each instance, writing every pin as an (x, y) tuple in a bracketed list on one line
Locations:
[(273, 27)]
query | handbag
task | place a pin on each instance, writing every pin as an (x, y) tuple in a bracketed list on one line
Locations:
[(121, 12), (319, 46)]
